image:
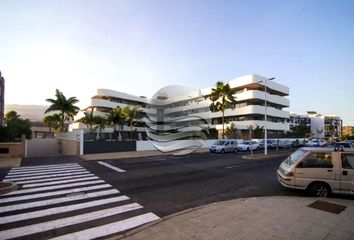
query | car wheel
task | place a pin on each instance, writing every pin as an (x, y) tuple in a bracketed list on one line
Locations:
[(222, 151), (248, 149), (320, 190), (235, 150)]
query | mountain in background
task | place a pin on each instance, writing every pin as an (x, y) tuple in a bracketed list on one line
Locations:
[(32, 112)]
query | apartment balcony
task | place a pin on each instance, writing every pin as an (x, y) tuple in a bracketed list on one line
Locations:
[(109, 104), (256, 94), (243, 125)]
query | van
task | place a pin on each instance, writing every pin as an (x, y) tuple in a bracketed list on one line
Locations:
[(320, 171), (223, 146)]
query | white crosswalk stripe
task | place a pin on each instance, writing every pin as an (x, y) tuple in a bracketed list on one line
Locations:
[(58, 182), (43, 171), (45, 176), (44, 166), (42, 203), (41, 189), (55, 179), (60, 196)]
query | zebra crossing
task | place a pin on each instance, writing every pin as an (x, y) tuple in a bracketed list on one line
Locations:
[(65, 201)]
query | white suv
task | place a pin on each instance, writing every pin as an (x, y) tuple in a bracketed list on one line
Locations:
[(247, 146)]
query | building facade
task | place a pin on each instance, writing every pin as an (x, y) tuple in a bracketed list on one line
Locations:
[(321, 126), (2, 99), (249, 112)]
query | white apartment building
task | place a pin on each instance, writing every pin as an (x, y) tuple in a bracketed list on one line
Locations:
[(321, 126), (250, 109)]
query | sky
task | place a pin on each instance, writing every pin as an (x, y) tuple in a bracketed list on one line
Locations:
[(141, 46)]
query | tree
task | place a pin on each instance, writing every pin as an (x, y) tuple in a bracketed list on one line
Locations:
[(66, 107), (330, 129), (100, 123), (213, 133), (131, 113), (52, 121), (222, 98), (258, 132), (89, 120), (231, 131), (15, 127), (301, 131), (11, 115), (116, 117)]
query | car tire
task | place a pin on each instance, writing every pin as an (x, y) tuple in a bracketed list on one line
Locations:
[(319, 190), (235, 150), (222, 151)]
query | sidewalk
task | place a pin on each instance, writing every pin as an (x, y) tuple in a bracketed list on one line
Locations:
[(253, 218)]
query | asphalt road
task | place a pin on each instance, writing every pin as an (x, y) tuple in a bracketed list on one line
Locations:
[(77, 199), (168, 184)]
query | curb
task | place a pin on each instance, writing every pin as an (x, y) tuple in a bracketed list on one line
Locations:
[(261, 156), (6, 187)]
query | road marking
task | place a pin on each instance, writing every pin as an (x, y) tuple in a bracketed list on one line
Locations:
[(47, 194), (111, 167), (56, 210), (39, 189), (65, 184), (46, 170), (48, 202), (59, 182), (44, 176), (233, 166), (46, 173), (63, 222), (110, 228), (45, 166), (54, 179)]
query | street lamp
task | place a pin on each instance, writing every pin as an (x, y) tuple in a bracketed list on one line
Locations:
[(265, 114)]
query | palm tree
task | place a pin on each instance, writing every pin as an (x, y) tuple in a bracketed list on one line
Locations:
[(100, 121), (131, 113), (89, 120), (116, 117), (66, 108), (222, 98), (52, 121), (231, 131), (258, 131)]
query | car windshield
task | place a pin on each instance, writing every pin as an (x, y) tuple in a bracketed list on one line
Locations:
[(219, 143), (295, 156), (246, 143)]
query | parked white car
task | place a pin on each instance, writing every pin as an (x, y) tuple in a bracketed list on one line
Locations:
[(320, 171), (247, 146), (223, 146), (317, 143)]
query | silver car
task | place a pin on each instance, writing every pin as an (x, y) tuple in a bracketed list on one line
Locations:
[(223, 146)]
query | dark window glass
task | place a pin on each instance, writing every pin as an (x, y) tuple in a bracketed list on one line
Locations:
[(348, 160), (317, 160)]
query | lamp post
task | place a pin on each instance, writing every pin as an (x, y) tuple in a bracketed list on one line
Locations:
[(265, 114)]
